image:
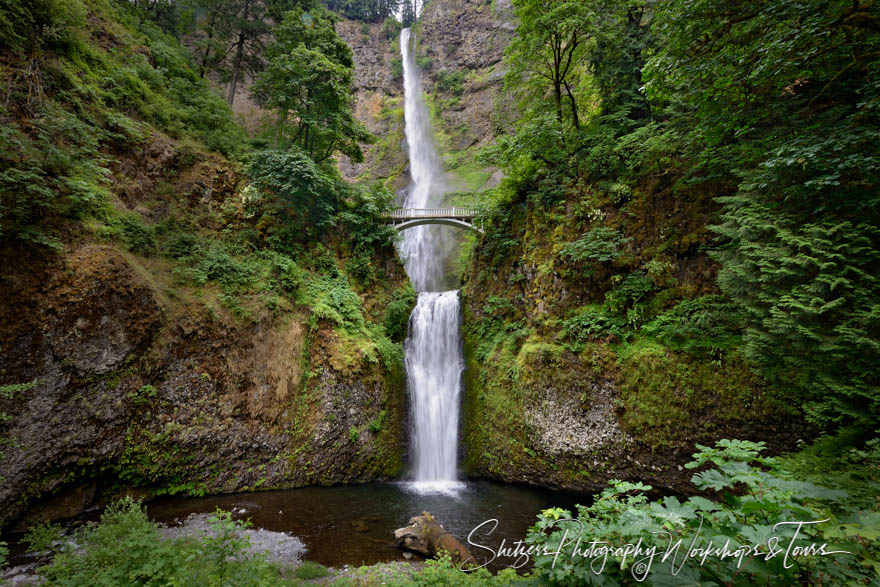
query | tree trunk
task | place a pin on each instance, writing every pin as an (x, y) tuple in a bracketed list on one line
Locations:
[(424, 535), (208, 47), (557, 94), (574, 110), (239, 53)]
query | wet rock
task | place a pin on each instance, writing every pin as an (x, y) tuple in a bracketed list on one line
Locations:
[(426, 536)]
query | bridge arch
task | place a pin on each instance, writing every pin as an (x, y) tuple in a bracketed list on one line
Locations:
[(404, 218), (446, 221)]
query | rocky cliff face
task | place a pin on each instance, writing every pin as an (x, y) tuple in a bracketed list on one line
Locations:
[(143, 384), (460, 44), (463, 44), (378, 102)]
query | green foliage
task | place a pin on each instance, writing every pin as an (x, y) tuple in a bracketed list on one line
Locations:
[(137, 236), (8, 391), (74, 102), (450, 81), (144, 395), (667, 399), (593, 322), (58, 171), (758, 501), (550, 47), (42, 537), (400, 306), (30, 27), (376, 423), (332, 299), (299, 197), (397, 68), (630, 298), (441, 572), (846, 461), (362, 213), (703, 325), (353, 434), (783, 104), (308, 82), (365, 10), (126, 549), (4, 553), (599, 245), (391, 28), (209, 261), (811, 295), (309, 570)]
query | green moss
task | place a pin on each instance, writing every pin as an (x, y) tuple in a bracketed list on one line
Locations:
[(670, 399)]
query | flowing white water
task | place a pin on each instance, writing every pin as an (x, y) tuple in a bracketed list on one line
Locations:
[(433, 372), (423, 248), (434, 361)]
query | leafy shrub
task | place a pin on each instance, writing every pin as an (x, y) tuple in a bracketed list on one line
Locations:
[(58, 172), (40, 24), (391, 28), (360, 267), (353, 434), (137, 236), (599, 245), (213, 263), (400, 306), (290, 277), (497, 306), (42, 537), (450, 81), (810, 294), (376, 423), (179, 244), (396, 68), (592, 323), (630, 297), (299, 194), (311, 570), (697, 326), (620, 193), (143, 395), (759, 500), (331, 298), (362, 213), (126, 549), (442, 571)]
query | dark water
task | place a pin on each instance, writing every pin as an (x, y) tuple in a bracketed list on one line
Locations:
[(354, 524)]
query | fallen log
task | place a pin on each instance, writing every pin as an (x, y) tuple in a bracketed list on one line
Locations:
[(426, 536)]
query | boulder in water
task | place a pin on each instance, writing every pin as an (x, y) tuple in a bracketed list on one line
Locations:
[(426, 536)]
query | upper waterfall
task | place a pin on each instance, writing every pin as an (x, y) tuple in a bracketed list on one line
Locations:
[(424, 248)]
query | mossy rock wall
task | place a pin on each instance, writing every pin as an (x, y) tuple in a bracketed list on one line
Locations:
[(545, 407)]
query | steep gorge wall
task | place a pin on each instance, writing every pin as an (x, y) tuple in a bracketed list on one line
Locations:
[(144, 384)]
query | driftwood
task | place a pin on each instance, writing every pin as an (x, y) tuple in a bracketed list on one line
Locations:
[(424, 535)]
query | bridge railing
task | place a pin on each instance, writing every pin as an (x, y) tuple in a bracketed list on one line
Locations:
[(454, 212)]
